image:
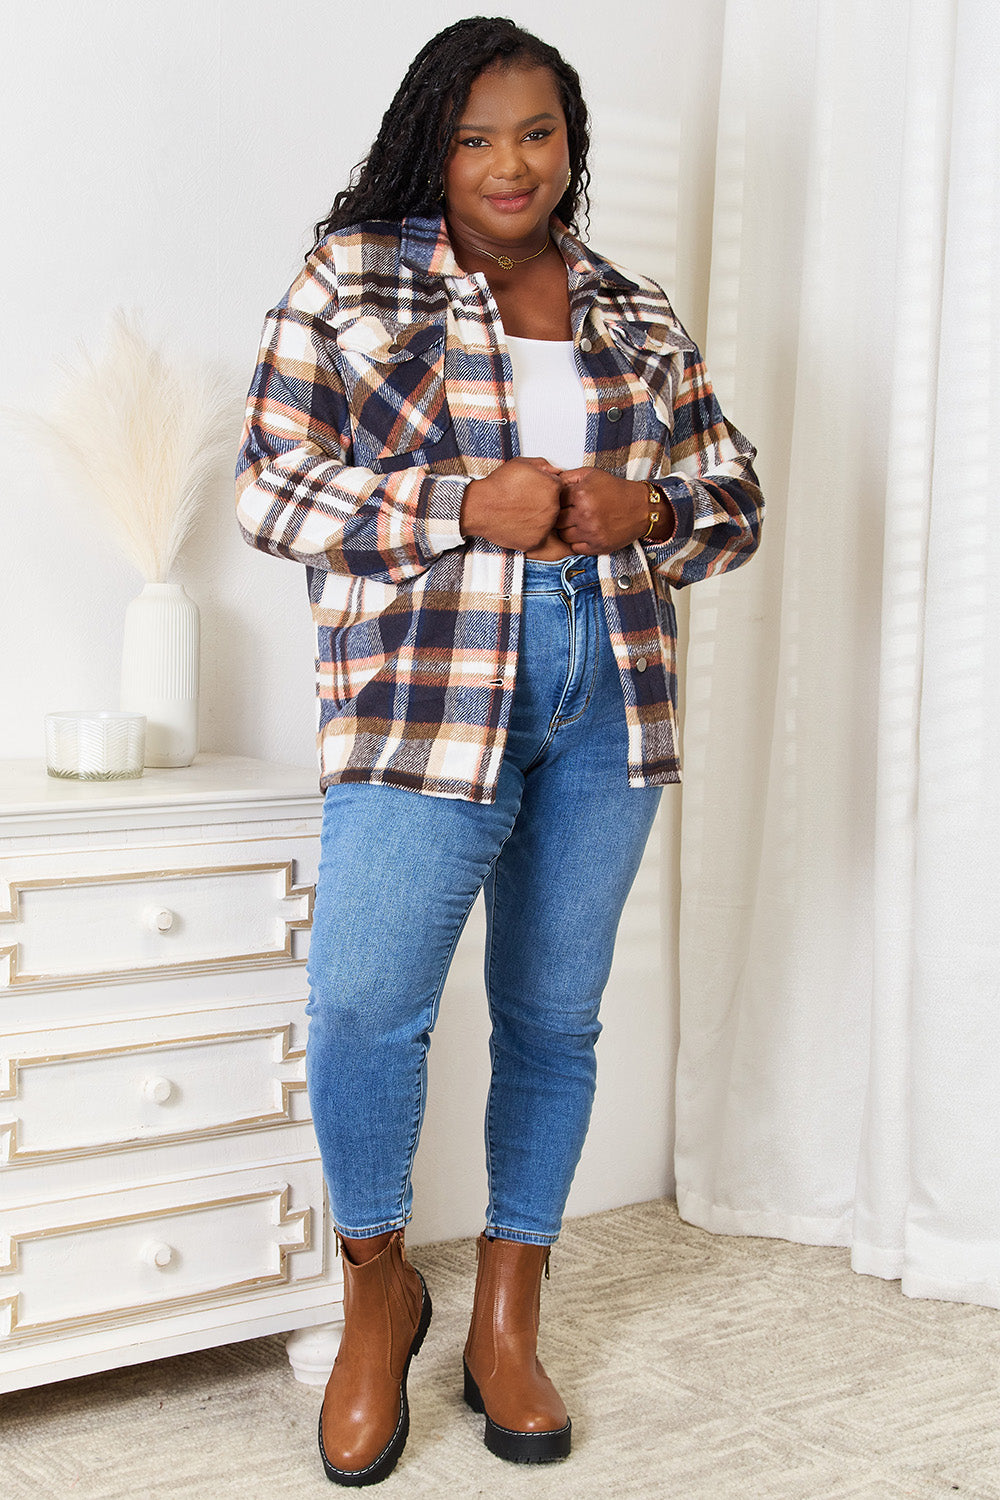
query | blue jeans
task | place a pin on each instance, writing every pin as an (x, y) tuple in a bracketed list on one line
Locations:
[(399, 872)]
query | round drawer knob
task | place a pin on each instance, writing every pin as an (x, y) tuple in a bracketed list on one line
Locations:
[(157, 1090), (158, 1254), (160, 919)]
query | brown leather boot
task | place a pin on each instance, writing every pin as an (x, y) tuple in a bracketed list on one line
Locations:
[(526, 1421), (365, 1415)]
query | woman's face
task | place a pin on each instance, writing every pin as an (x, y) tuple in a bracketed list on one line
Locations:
[(509, 158)]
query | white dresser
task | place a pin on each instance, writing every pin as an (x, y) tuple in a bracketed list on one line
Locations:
[(160, 1183)]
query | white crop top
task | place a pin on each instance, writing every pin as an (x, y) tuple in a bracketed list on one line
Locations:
[(549, 401)]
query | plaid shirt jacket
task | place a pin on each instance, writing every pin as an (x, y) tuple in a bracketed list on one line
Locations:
[(383, 387)]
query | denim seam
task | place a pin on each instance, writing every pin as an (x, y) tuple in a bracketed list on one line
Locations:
[(571, 661), (432, 1014), (574, 718), (489, 1093), (521, 1236), (488, 975), (372, 1230), (569, 604)]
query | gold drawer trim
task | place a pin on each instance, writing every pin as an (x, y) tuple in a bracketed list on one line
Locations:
[(10, 1087), (136, 877), (9, 1306)]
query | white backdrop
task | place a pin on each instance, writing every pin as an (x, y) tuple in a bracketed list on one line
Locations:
[(837, 1077)]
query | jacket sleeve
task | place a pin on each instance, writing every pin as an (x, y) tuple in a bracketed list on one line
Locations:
[(711, 485), (299, 495)]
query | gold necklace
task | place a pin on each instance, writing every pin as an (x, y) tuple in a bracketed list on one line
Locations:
[(504, 261)]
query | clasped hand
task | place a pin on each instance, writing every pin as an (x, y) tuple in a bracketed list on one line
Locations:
[(526, 500)]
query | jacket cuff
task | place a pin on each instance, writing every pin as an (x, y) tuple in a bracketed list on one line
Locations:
[(681, 501), (440, 512)]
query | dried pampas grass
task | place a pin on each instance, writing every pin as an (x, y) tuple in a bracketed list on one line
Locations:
[(143, 436)]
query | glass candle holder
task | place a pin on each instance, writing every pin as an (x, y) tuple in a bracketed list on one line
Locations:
[(95, 745)]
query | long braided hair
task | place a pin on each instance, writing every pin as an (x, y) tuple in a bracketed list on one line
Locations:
[(402, 172)]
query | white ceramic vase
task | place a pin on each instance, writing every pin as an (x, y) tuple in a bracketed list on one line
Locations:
[(160, 671)]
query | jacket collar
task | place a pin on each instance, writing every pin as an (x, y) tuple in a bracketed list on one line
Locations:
[(426, 248)]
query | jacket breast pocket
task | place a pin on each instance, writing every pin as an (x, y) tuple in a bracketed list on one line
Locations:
[(393, 377), (655, 355)]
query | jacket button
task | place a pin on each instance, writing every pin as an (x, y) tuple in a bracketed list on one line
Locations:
[(614, 413), (624, 582), (641, 664), (586, 345)]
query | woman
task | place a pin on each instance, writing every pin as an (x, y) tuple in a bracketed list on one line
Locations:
[(496, 454)]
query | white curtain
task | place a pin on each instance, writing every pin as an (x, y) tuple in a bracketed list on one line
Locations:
[(839, 1064)]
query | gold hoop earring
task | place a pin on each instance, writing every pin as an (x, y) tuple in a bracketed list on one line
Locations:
[(569, 179)]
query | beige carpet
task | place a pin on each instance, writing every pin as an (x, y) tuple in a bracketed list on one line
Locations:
[(695, 1366)]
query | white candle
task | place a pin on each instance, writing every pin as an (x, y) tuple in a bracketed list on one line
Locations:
[(95, 744)]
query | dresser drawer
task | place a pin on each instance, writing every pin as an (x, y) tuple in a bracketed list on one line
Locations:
[(146, 1253), (91, 1090), (107, 914)]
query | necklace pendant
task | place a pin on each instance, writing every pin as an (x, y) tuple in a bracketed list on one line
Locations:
[(505, 263)]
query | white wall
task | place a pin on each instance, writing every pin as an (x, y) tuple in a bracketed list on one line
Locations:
[(171, 159)]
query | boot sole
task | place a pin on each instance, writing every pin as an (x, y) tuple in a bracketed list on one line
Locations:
[(387, 1460), (518, 1447)]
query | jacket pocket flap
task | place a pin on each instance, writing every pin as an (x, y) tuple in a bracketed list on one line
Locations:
[(389, 343), (651, 338)]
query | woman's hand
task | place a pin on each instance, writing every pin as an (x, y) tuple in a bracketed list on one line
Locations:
[(601, 513), (516, 506)]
